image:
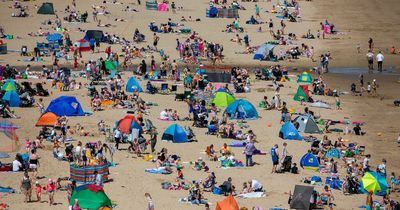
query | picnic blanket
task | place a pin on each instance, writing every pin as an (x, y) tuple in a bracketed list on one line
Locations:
[(252, 195), (237, 143)]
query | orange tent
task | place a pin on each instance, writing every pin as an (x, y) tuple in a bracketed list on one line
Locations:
[(125, 124), (229, 203), (47, 119)]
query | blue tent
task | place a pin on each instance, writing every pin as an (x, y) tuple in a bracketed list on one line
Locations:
[(264, 52), (310, 162), (132, 85), (175, 133), (333, 153), (212, 12), (288, 131), (54, 37), (65, 106), (12, 98), (241, 109)]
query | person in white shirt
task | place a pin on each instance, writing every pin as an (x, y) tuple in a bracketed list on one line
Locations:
[(117, 137), (16, 165), (164, 115), (255, 186), (379, 59), (366, 163), (382, 168)]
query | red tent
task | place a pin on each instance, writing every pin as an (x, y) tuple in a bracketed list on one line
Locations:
[(126, 123)]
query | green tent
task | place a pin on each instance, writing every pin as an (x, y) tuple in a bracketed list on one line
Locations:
[(90, 197), (9, 86), (223, 99), (305, 78), (302, 93), (110, 65), (46, 9)]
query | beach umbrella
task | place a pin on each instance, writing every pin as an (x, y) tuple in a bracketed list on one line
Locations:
[(223, 99), (374, 182), (4, 155), (90, 197)]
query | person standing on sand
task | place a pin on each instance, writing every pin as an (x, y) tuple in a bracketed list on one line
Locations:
[(26, 187), (369, 203), (155, 40), (275, 158), (150, 204), (153, 139), (379, 59), (370, 59), (257, 11), (370, 44)]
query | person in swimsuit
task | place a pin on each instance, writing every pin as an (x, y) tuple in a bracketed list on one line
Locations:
[(26, 187), (34, 162), (51, 188)]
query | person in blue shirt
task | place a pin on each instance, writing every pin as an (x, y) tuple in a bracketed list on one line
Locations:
[(275, 158)]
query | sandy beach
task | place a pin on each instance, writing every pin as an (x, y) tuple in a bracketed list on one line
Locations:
[(356, 21)]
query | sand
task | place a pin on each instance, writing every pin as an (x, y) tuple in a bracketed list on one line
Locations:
[(131, 182)]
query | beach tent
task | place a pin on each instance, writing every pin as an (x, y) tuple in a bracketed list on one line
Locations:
[(302, 93), (223, 99), (9, 85), (90, 197), (12, 98), (301, 197), (264, 52), (65, 106), (133, 85), (333, 153), (307, 124), (46, 9), (229, 203), (305, 78), (128, 123), (82, 45), (289, 132), (320, 104), (94, 34), (54, 37), (162, 7), (241, 109), (212, 12), (175, 133), (372, 181), (47, 119), (309, 162), (151, 5)]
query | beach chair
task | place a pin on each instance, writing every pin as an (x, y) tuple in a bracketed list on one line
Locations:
[(164, 88)]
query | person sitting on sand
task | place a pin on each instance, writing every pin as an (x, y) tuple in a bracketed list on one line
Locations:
[(237, 39), (357, 130), (211, 154), (83, 132), (227, 187), (245, 188)]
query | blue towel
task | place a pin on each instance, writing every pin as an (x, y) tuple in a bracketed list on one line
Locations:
[(6, 190)]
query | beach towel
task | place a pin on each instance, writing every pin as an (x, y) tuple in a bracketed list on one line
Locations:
[(7, 190), (252, 195), (237, 143), (160, 170)]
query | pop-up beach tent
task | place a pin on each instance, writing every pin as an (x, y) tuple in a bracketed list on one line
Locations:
[(264, 52), (241, 109), (133, 85), (307, 124), (65, 106), (175, 133), (289, 132), (47, 8)]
